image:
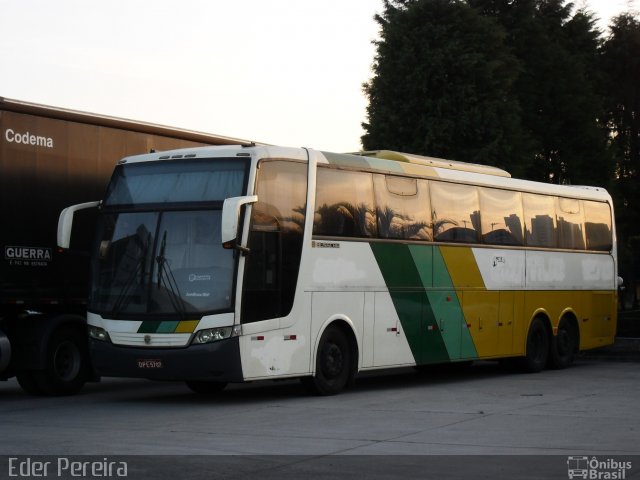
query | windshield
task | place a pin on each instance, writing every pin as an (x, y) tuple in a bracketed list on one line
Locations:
[(185, 181), (159, 249)]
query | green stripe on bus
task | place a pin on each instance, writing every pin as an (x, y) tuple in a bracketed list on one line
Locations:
[(451, 309), (167, 327), (149, 326), (155, 326), (408, 293)]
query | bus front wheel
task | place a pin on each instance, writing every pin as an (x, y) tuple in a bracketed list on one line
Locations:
[(334, 364)]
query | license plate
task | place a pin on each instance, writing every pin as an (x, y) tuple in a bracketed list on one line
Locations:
[(148, 363)]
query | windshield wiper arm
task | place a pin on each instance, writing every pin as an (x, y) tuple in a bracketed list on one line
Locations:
[(123, 298), (165, 278)]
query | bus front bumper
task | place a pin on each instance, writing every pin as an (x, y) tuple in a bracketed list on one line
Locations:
[(217, 361)]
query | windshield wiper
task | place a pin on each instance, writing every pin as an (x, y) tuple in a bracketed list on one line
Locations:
[(165, 278), (123, 297)]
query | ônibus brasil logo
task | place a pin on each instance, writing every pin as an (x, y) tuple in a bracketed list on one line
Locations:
[(594, 468)]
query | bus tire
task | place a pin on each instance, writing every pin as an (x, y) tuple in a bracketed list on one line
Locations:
[(67, 363), (537, 352), (206, 388), (28, 383), (564, 345), (334, 364)]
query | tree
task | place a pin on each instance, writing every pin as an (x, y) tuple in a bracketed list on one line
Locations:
[(442, 85), (621, 65), (557, 87)]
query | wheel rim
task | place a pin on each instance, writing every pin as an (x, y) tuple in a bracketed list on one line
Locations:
[(332, 361), (66, 361)]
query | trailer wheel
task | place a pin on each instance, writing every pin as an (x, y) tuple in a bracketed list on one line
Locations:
[(67, 363)]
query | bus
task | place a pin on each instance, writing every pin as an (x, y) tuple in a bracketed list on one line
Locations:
[(240, 263)]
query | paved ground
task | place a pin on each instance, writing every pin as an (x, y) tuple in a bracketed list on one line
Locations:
[(589, 409)]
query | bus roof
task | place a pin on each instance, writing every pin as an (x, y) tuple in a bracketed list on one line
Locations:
[(386, 161), (435, 162)]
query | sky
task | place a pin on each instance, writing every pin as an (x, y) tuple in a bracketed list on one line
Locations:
[(285, 72)]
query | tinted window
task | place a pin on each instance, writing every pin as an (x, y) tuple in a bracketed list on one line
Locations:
[(456, 212), (540, 220), (570, 221), (344, 204), (501, 217), (182, 271), (179, 181), (597, 225), (402, 206), (275, 240)]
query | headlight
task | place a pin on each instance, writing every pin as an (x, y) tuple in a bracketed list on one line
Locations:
[(98, 333), (214, 334)]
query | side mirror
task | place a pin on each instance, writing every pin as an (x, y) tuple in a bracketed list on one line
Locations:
[(230, 218), (65, 222)]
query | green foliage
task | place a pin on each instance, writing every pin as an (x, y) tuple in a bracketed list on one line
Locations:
[(490, 81), (442, 84), (556, 87), (621, 86)]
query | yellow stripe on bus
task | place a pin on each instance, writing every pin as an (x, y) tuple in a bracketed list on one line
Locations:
[(187, 326)]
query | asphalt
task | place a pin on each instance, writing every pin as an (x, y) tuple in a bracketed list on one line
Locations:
[(624, 349)]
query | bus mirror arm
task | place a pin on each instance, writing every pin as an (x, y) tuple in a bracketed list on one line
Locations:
[(243, 250), (230, 217), (65, 222)]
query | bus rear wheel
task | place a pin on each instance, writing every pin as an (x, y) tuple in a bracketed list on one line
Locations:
[(565, 345), (537, 352), (334, 364)]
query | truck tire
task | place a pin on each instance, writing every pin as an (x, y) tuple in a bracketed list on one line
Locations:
[(5, 351), (67, 361), (28, 383)]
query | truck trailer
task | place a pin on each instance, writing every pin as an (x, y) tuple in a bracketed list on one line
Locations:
[(51, 158)]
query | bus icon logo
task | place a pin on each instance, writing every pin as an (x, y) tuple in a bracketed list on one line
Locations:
[(578, 467)]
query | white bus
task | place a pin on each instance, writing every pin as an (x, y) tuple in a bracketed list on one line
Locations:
[(230, 264)]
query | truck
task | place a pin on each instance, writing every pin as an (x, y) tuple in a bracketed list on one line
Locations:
[(51, 158)]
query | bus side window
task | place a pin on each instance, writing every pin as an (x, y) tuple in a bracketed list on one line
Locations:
[(540, 220), (344, 204), (597, 226), (402, 207), (456, 212), (501, 217), (275, 240), (570, 223)]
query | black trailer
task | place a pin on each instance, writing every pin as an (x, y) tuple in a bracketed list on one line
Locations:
[(51, 158)]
